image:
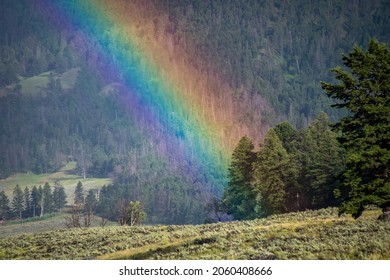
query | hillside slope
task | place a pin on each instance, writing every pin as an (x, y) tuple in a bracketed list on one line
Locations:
[(304, 235), (156, 94), (254, 63)]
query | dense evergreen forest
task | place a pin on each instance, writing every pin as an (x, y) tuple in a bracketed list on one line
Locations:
[(271, 55), (292, 171)]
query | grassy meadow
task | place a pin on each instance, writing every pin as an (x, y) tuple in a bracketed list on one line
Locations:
[(65, 177), (46, 223), (309, 235), (37, 85)]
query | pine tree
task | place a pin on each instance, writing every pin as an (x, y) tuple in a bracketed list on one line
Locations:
[(27, 199), (4, 206), (59, 197), (365, 130), (47, 198), (270, 176), (79, 194), (90, 204), (35, 199), (288, 135), (18, 201), (239, 196), (324, 163), (90, 200)]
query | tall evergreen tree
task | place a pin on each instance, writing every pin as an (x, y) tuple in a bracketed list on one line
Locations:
[(364, 91), (59, 197), (291, 141), (90, 201), (324, 163), (79, 194), (239, 196), (18, 201), (47, 198), (4, 206), (35, 199), (270, 176), (288, 135), (90, 205), (27, 199)]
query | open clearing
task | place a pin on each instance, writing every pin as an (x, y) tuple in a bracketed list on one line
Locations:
[(37, 85), (64, 177)]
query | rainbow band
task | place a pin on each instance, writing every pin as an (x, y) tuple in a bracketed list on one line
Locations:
[(167, 95)]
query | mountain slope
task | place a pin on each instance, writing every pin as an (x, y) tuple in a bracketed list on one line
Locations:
[(77, 85)]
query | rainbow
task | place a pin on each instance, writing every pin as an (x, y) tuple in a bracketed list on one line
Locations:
[(189, 114)]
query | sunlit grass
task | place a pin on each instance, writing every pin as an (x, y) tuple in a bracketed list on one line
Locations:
[(68, 78), (34, 85), (318, 234), (46, 223), (37, 85), (64, 177)]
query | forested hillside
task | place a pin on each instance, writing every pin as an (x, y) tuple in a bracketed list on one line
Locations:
[(278, 49), (243, 65)]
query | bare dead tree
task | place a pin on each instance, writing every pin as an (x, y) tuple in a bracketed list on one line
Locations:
[(122, 212), (74, 221), (103, 222)]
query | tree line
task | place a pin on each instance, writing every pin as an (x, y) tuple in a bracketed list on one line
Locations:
[(126, 212), (291, 170), (47, 199), (27, 203)]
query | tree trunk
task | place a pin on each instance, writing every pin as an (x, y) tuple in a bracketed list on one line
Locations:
[(41, 209)]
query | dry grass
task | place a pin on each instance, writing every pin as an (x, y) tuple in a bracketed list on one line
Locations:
[(305, 235)]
